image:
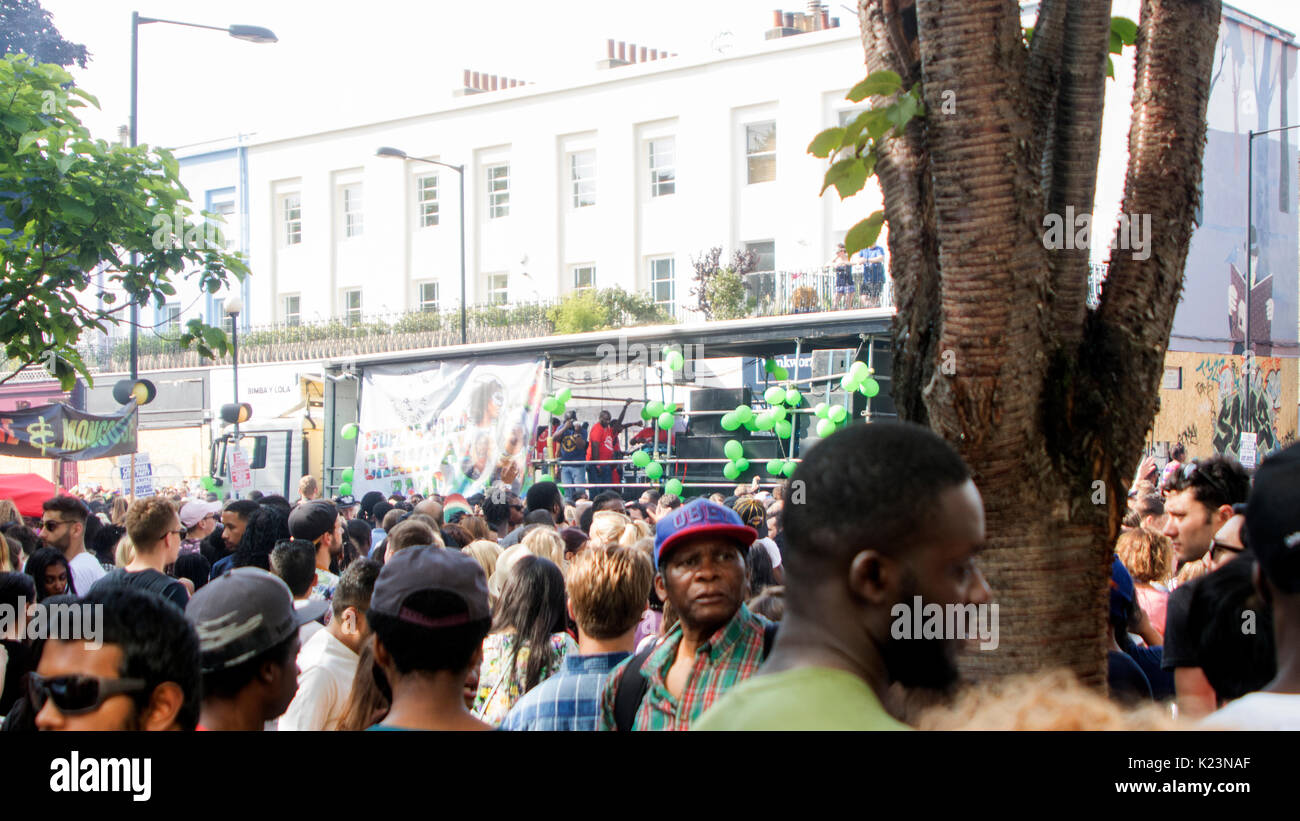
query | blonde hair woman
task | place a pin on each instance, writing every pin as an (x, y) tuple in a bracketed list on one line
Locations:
[(124, 553), (610, 528), (485, 552), (505, 562), (547, 543)]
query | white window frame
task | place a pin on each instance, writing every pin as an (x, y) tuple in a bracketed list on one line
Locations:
[(752, 155), (426, 199), (582, 178), (498, 288), (225, 206), (354, 223), (498, 196), (291, 215), (748, 246), (663, 177), (292, 318), (352, 316), (576, 271), (654, 266), (423, 303), (171, 324)]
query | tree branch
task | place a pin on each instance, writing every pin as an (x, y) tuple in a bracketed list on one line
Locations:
[(1042, 76)]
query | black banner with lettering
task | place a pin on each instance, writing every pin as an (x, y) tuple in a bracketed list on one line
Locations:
[(59, 432)]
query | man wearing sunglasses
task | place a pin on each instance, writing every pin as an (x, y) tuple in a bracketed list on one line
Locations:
[(145, 675), (1199, 504), (63, 527)]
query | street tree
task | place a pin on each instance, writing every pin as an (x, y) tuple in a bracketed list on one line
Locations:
[(87, 228), (26, 28), (981, 139)]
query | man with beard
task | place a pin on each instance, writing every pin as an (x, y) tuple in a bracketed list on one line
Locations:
[(871, 538), (716, 643)]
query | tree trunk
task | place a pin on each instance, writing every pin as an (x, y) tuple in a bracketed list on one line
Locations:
[(1047, 402)]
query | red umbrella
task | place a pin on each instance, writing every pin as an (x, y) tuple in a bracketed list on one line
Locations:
[(28, 491)]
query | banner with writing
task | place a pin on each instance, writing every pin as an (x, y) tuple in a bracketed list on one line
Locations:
[(60, 432)]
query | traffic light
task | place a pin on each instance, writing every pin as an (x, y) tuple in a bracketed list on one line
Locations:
[(232, 413), (142, 390)]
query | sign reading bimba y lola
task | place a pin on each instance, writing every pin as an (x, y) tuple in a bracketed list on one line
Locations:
[(59, 432)]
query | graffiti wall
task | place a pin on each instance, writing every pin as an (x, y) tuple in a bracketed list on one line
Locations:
[(1212, 405)]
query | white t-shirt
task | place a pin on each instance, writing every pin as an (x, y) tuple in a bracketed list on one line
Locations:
[(323, 688), (1257, 711), (85, 570)]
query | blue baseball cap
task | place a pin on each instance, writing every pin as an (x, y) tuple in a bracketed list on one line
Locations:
[(701, 518)]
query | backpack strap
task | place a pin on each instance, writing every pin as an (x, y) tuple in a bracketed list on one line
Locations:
[(631, 690)]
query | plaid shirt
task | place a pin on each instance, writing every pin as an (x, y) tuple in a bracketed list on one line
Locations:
[(730, 656), (568, 700)]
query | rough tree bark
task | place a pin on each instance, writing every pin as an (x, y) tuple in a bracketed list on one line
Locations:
[(1047, 399)]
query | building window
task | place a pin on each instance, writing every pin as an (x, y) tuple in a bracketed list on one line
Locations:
[(292, 210), (225, 320), (663, 167), (426, 196), (582, 177), (760, 151), (224, 205), (352, 306), (848, 115), (171, 319), (663, 285), (498, 288), (352, 217), (765, 253), (429, 297), (584, 277), (498, 191), (292, 307)]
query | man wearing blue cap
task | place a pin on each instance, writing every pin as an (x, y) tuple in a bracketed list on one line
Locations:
[(717, 642)]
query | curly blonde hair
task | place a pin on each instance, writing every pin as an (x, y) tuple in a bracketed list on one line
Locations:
[(1148, 555), (609, 527)]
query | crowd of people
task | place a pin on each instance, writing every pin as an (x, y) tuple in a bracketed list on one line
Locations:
[(758, 609)]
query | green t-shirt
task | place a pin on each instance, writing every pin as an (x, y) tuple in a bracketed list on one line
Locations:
[(808, 698)]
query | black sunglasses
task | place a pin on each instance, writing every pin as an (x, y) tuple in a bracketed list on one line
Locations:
[(76, 695), (1215, 547)]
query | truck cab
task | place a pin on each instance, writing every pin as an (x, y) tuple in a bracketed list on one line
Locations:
[(279, 451)]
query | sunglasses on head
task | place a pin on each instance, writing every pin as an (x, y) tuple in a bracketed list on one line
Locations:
[(76, 694)]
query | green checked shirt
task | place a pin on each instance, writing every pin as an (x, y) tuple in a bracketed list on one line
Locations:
[(730, 656)]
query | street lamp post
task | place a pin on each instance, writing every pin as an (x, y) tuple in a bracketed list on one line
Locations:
[(234, 307), (397, 153), (1247, 350), (251, 34)]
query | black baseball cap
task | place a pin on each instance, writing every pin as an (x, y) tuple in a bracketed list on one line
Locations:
[(417, 569), (243, 613), (1273, 519), (345, 502), (311, 520)]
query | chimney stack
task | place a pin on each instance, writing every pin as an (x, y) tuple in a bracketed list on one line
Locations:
[(621, 53)]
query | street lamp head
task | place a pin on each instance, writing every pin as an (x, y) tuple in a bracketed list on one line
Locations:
[(234, 306), (253, 34), (389, 151)]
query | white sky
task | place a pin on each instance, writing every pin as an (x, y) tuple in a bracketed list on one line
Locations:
[(340, 62)]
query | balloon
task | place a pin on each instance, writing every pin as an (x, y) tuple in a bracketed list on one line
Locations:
[(208, 485), (733, 450), (743, 464), (774, 467), (675, 361), (654, 470), (646, 414), (673, 486), (768, 365), (752, 424), (345, 489), (774, 395), (870, 387), (640, 458), (778, 413), (789, 468), (350, 430), (781, 373), (764, 421), (564, 396), (671, 407), (731, 470), (859, 371), (793, 398), (820, 410), (665, 420), (744, 413), (837, 414), (848, 383), (729, 421), (347, 476), (546, 477), (825, 427), (550, 405), (783, 428), (655, 408)]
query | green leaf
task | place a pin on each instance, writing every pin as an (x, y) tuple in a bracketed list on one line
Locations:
[(1110, 68), (835, 173), (1116, 43), (902, 111), (1125, 28), (877, 123), (825, 143), (864, 234), (26, 140), (877, 83), (853, 178)]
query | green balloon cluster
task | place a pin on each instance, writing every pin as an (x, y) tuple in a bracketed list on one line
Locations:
[(781, 467), (345, 489), (778, 373), (348, 473), (350, 430), (742, 415), (829, 418), (859, 378), (674, 359), (555, 405), (738, 464), (673, 486)]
